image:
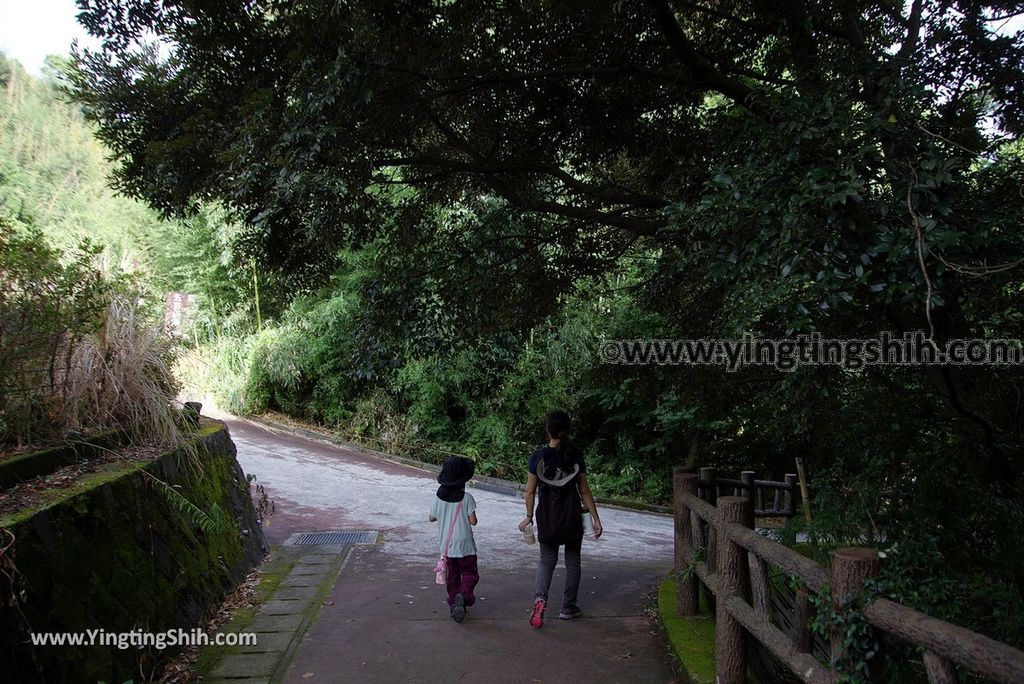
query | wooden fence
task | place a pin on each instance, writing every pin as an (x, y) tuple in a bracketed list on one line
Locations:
[(782, 495), (736, 573)]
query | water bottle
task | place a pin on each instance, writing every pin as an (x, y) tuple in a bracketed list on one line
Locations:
[(588, 524)]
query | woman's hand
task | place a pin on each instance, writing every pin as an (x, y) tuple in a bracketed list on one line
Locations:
[(524, 523), (588, 501)]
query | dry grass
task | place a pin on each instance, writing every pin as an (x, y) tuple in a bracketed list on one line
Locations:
[(114, 375), (120, 377)]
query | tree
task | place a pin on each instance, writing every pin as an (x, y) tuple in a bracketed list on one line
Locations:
[(52, 170), (835, 154), (839, 167)]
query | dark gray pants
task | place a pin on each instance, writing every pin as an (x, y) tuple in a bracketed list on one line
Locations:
[(546, 567)]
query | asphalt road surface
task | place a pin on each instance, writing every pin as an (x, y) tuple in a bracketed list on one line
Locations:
[(386, 621)]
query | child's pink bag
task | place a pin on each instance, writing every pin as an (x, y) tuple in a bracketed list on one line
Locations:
[(441, 569)]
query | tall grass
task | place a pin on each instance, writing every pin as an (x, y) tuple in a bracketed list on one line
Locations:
[(120, 377), (76, 355)]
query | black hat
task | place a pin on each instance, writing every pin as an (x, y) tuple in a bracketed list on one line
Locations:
[(455, 473)]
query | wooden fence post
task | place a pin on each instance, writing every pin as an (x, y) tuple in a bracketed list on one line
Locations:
[(732, 578), (758, 567), (790, 498), (711, 496), (747, 478), (686, 585), (940, 670), (760, 591), (711, 493), (708, 533), (803, 613), (805, 496), (850, 567)]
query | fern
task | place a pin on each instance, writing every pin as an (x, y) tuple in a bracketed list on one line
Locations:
[(211, 523)]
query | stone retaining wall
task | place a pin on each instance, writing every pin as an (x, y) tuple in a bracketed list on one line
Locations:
[(116, 552)]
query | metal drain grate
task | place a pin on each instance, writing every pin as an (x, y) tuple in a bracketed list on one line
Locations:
[(336, 538)]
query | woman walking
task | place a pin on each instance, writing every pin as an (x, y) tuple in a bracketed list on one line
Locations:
[(558, 483)]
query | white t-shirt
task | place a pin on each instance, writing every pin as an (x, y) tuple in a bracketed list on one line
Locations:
[(462, 543)]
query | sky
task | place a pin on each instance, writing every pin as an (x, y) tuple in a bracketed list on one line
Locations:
[(32, 29)]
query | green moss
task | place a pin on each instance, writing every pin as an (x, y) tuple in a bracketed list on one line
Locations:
[(692, 638), (271, 574), (15, 469), (58, 495), (110, 551), (208, 429)]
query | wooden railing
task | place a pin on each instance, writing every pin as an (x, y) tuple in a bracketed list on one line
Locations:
[(770, 499), (736, 574)]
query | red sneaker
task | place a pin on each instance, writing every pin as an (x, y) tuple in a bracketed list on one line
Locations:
[(537, 619)]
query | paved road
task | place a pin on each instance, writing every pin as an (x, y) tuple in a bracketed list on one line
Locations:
[(385, 620)]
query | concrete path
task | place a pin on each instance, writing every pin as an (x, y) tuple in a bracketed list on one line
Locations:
[(384, 620), (283, 620)]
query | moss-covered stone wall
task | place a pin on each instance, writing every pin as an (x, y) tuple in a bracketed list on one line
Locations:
[(24, 467), (117, 553)]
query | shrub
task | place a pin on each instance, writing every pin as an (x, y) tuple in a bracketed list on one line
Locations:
[(217, 372), (75, 354), (46, 307)]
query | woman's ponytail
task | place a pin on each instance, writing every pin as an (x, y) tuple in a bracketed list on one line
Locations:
[(558, 425)]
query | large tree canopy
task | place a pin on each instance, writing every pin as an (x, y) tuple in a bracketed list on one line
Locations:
[(770, 128), (605, 116), (765, 167), (853, 164)]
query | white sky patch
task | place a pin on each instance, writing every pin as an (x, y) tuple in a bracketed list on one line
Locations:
[(32, 29), (1008, 27)]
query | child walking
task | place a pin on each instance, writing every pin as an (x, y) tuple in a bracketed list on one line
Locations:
[(455, 509)]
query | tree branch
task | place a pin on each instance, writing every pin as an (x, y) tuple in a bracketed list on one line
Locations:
[(776, 80), (706, 74), (805, 49), (892, 12), (849, 12), (913, 30), (485, 167), (716, 13), (490, 171), (471, 82), (589, 214)]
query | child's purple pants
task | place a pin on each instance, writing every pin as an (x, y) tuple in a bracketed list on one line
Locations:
[(462, 578)]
